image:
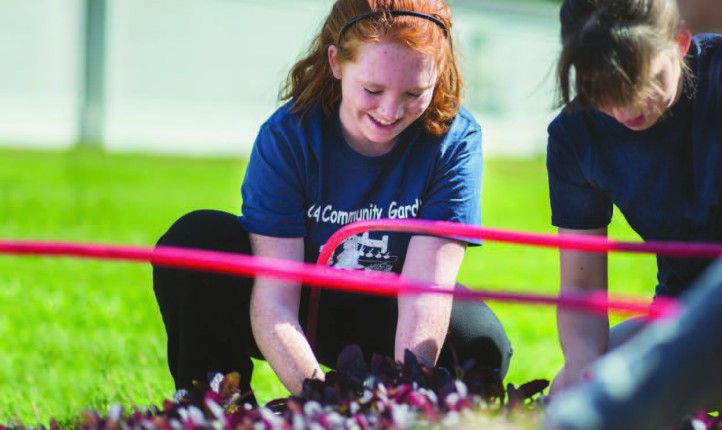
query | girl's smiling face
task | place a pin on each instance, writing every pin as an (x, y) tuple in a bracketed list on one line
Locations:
[(383, 91)]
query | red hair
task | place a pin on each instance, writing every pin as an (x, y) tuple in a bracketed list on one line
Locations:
[(311, 83)]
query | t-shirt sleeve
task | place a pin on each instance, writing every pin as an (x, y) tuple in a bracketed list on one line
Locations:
[(575, 202), (454, 193), (272, 190)]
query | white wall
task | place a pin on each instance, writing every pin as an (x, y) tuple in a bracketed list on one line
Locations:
[(200, 76), (186, 77), (509, 55), (39, 72)]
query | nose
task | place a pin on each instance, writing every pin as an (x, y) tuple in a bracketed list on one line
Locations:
[(391, 108)]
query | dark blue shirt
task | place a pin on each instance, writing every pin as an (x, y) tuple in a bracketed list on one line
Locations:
[(666, 180), (303, 180)]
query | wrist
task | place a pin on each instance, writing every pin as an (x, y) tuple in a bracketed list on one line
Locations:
[(579, 366)]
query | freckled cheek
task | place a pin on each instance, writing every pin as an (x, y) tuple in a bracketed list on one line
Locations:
[(417, 107), (364, 103)]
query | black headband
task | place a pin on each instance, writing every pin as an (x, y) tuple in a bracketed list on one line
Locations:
[(392, 12)]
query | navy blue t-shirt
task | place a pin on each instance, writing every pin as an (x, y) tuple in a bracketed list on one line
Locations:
[(666, 180), (303, 180)]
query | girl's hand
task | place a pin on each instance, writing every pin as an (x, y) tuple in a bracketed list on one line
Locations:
[(568, 377)]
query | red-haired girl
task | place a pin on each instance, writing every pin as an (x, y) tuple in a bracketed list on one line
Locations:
[(373, 128)]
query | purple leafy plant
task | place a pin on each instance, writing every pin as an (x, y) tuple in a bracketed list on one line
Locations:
[(381, 394)]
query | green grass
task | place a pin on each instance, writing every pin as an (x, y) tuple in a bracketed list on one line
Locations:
[(84, 334)]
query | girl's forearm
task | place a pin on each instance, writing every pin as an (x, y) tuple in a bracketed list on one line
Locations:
[(283, 344), (422, 326)]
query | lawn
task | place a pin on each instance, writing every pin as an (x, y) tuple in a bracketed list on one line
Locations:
[(85, 334)]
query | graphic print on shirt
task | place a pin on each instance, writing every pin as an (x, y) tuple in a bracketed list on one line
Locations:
[(362, 252), (369, 251)]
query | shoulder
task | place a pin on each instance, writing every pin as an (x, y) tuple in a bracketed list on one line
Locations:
[(286, 118), (576, 134), (706, 49), (705, 61), (558, 143), (460, 146), (567, 118), (294, 130), (464, 124), (560, 127), (575, 124), (707, 43), (464, 134)]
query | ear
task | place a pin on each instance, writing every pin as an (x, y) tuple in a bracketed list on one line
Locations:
[(333, 61), (684, 40)]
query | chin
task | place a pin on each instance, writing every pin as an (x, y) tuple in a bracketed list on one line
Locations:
[(648, 123), (381, 140), (640, 128)]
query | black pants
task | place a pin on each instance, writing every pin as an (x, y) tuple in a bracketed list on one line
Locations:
[(206, 315)]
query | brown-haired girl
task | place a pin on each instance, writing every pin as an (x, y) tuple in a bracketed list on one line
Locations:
[(373, 128), (641, 130)]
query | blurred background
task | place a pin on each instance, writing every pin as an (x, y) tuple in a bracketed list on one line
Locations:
[(200, 76)]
